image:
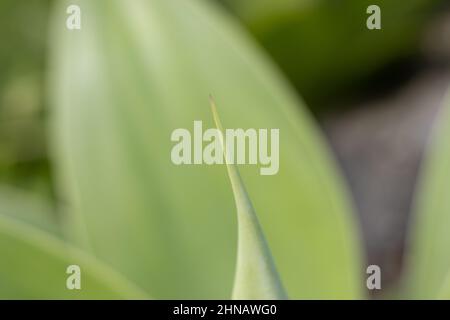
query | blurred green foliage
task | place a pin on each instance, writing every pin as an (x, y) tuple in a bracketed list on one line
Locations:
[(23, 151), (33, 266), (321, 45), (324, 47), (138, 70)]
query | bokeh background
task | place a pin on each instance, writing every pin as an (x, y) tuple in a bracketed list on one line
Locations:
[(375, 95)]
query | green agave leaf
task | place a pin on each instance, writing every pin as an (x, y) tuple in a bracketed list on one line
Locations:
[(33, 265), (429, 257), (136, 71), (256, 275), (444, 292), (30, 208)]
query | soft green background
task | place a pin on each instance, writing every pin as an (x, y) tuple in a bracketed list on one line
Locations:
[(85, 124)]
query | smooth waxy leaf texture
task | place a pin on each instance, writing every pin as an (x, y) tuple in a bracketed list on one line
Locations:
[(429, 258), (33, 265), (256, 275), (136, 71)]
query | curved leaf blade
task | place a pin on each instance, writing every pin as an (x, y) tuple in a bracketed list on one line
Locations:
[(139, 70), (429, 257), (256, 275), (29, 208), (33, 265)]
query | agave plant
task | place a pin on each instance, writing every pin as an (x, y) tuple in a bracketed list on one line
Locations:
[(139, 226)]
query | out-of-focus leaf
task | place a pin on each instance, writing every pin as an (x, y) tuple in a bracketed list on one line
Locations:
[(33, 266), (30, 208), (325, 47), (444, 292), (429, 256), (23, 152), (256, 275), (136, 71)]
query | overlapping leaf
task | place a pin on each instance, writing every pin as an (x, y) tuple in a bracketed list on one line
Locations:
[(429, 255), (256, 275), (136, 71), (29, 208), (33, 265)]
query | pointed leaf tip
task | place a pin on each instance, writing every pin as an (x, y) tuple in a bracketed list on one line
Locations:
[(256, 276)]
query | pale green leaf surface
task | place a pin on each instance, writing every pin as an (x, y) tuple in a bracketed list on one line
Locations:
[(136, 71), (444, 292), (429, 239), (33, 265), (29, 208), (256, 276)]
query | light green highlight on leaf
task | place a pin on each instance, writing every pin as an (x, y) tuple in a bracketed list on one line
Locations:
[(33, 266)]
